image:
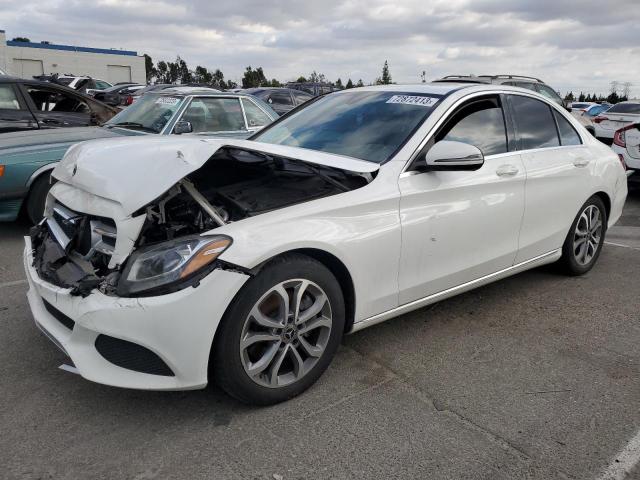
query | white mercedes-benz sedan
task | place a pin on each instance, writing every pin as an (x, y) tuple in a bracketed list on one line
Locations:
[(166, 263)]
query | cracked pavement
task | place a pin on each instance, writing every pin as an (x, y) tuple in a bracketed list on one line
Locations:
[(532, 377)]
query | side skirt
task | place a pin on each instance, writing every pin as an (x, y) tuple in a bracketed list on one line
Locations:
[(544, 259)]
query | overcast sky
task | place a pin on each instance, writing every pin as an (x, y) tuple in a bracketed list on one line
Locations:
[(571, 44)]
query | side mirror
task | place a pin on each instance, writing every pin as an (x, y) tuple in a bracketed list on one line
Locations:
[(447, 155), (182, 126)]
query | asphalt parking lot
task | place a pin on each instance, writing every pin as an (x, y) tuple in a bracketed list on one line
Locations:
[(536, 376)]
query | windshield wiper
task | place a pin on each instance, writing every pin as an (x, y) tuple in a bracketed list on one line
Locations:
[(133, 125)]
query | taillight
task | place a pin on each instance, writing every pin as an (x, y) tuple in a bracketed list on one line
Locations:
[(619, 137), (128, 100), (598, 119)]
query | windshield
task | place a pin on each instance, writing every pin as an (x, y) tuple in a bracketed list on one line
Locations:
[(149, 114), (369, 125)]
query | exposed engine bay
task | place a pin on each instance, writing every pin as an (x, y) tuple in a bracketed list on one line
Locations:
[(72, 249)]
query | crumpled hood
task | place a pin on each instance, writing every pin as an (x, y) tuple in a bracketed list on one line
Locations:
[(135, 171)]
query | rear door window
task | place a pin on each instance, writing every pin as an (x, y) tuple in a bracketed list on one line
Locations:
[(568, 134), (255, 116), (535, 126), (280, 98)]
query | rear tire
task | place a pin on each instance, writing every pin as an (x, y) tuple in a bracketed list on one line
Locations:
[(584, 241), (38, 196), (270, 347)]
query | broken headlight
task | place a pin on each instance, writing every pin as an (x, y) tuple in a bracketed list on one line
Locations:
[(170, 264)]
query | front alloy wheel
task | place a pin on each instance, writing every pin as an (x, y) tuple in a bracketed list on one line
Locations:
[(286, 333), (281, 331)]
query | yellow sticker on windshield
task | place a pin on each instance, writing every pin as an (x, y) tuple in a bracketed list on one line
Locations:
[(413, 100)]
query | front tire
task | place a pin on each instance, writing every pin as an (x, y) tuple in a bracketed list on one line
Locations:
[(584, 241), (280, 333), (38, 196)]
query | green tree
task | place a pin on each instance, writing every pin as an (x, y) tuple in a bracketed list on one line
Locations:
[(301, 79), (349, 84), (569, 97), (184, 74), (339, 84), (385, 79), (202, 75), (316, 77), (253, 78), (162, 72), (149, 68), (360, 84), (20, 39), (581, 97)]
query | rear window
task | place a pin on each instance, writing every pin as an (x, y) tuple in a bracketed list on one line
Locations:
[(625, 108), (580, 105)]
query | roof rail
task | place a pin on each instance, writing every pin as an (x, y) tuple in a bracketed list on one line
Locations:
[(512, 76)]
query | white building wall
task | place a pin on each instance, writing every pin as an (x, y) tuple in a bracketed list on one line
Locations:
[(96, 65), (3, 49)]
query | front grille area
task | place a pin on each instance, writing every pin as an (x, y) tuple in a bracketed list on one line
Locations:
[(131, 356), (58, 315)]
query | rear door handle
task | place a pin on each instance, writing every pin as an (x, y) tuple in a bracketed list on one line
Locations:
[(507, 170), (581, 162)]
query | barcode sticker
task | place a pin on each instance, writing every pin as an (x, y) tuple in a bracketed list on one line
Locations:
[(168, 101), (413, 100)]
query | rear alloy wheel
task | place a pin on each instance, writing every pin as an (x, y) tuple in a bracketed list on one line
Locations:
[(584, 241), (280, 332)]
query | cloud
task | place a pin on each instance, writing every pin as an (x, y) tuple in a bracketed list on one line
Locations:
[(573, 45)]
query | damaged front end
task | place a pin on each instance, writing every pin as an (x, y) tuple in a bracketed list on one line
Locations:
[(179, 235)]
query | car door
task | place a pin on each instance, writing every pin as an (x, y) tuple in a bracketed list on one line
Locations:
[(54, 108), (14, 114), (458, 226), (558, 167)]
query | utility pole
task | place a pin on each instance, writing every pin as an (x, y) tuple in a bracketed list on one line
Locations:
[(614, 87)]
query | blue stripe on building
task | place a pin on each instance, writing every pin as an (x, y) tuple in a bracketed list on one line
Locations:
[(71, 48)]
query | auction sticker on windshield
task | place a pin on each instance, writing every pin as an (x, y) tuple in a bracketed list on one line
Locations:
[(413, 100), (168, 101)]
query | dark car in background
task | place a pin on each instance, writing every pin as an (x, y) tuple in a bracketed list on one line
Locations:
[(32, 105), (118, 94), (280, 99), (522, 81)]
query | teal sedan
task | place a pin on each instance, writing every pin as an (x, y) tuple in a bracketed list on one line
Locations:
[(27, 158)]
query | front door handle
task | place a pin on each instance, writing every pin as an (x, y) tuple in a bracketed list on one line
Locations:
[(581, 162), (507, 170)]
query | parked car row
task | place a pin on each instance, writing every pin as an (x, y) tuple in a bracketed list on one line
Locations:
[(27, 159), (169, 261)]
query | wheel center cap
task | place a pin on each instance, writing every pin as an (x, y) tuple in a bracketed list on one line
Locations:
[(289, 334)]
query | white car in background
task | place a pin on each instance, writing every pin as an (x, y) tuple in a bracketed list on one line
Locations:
[(578, 107), (626, 143), (168, 263), (618, 116), (586, 117)]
